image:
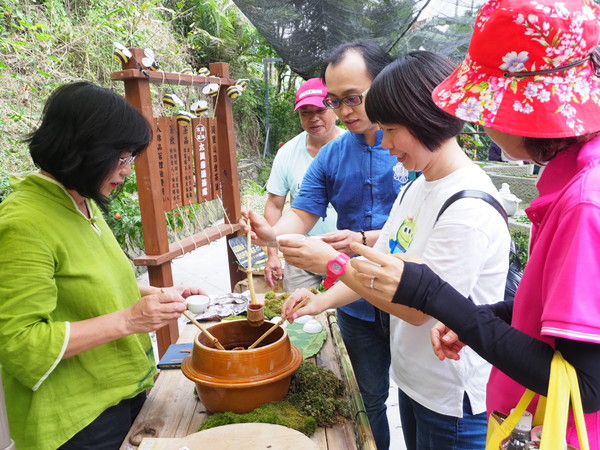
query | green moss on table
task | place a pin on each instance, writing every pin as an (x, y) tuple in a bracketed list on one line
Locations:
[(278, 413), (316, 398)]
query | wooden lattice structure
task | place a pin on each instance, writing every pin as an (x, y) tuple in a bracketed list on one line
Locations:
[(184, 164)]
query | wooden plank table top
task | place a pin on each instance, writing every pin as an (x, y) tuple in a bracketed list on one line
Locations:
[(172, 409)]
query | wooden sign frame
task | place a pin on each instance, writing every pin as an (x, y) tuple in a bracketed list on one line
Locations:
[(161, 166)]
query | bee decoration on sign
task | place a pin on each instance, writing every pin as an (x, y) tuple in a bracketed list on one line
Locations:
[(204, 72), (187, 71), (149, 60), (243, 84), (211, 89), (234, 91), (200, 107), (121, 53), (172, 100), (184, 117)]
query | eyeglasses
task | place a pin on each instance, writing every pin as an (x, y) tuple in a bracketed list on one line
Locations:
[(127, 160), (351, 100)]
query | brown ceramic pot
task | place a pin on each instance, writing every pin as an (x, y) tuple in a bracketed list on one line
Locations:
[(241, 380)]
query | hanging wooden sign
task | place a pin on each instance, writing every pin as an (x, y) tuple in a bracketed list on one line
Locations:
[(174, 163), (186, 163), (204, 190), (213, 145), (160, 133)]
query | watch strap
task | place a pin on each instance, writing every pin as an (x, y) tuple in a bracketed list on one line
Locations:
[(342, 259)]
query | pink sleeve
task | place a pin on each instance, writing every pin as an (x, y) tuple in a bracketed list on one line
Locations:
[(571, 287)]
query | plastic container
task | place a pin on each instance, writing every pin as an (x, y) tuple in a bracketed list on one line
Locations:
[(521, 435)]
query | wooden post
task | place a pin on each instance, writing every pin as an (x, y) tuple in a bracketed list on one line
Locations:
[(227, 161), (154, 225)]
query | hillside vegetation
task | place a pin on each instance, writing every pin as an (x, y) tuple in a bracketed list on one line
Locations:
[(46, 43)]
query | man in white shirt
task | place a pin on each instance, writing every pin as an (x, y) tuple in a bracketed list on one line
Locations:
[(288, 170)]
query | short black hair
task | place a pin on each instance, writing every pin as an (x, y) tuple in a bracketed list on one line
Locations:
[(401, 95), (375, 57), (84, 130), (543, 150)]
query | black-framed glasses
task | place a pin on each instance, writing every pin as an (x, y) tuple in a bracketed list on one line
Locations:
[(127, 159), (350, 100)]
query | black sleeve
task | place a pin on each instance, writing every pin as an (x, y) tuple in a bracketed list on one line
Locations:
[(520, 356), (502, 309)]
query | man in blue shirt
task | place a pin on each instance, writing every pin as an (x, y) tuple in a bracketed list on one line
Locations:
[(361, 180), (287, 172)]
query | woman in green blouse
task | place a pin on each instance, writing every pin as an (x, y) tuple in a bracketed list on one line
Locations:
[(74, 347)]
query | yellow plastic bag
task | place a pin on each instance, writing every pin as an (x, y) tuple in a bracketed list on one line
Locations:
[(500, 426), (562, 386)]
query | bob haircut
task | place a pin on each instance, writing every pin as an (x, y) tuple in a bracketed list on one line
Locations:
[(543, 150), (84, 130), (375, 57), (401, 95)]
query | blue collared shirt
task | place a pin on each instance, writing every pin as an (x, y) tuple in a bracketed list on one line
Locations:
[(360, 182)]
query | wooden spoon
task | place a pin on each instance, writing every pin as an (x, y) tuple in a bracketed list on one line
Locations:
[(213, 339), (256, 313)]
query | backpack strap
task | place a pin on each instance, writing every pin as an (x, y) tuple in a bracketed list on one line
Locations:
[(472, 193), (406, 186), (514, 269)]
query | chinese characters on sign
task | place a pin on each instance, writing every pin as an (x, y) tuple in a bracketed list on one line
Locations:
[(187, 164), (188, 161)]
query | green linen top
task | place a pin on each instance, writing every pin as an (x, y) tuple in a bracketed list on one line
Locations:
[(57, 267)]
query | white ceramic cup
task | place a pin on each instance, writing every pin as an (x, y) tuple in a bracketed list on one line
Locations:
[(197, 303)]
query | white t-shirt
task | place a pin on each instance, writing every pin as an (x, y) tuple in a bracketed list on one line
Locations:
[(468, 248), (289, 166)]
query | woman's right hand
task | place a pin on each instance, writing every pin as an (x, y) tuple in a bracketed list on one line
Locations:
[(310, 308), (260, 231), (154, 311)]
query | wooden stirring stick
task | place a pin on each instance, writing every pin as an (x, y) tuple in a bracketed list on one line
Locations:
[(249, 269), (213, 339), (283, 319)]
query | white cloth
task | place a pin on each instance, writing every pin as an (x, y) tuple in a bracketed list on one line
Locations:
[(296, 278), (468, 248), (289, 166)]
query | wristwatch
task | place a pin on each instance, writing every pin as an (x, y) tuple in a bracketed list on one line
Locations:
[(335, 268)]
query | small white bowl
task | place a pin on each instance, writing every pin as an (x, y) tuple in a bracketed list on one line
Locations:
[(313, 326), (276, 319), (303, 319), (291, 237), (197, 303)]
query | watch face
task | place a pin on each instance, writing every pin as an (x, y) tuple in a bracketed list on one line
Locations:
[(336, 267)]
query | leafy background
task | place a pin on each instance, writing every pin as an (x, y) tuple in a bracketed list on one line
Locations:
[(45, 43)]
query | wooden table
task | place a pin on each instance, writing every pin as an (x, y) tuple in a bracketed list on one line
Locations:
[(172, 409)]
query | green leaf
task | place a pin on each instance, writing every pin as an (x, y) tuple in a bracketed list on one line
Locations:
[(113, 12), (44, 74)]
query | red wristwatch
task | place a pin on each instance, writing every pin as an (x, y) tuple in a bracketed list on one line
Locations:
[(335, 268)]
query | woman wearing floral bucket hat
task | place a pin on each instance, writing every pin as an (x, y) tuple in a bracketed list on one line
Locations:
[(531, 78)]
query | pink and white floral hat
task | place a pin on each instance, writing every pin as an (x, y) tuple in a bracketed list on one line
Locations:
[(530, 70)]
